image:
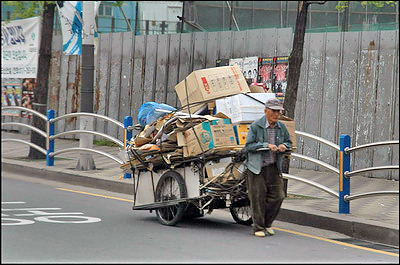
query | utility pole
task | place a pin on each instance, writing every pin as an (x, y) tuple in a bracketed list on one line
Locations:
[(86, 161)]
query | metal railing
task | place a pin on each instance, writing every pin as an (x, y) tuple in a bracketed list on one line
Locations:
[(344, 170), (344, 148), (346, 173), (51, 136)]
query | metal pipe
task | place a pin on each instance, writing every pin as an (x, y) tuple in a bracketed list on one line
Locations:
[(87, 114), (316, 161), (28, 143), (312, 183), (87, 150), (370, 194), (319, 139), (26, 109), (232, 15), (26, 125), (370, 145), (90, 132), (348, 174)]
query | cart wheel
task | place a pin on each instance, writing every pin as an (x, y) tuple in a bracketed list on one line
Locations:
[(171, 186), (241, 212)]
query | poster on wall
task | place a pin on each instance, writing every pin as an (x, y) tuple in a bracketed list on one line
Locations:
[(238, 61), (28, 86), (20, 48), (265, 66), (280, 71), (250, 69), (273, 73), (11, 95)]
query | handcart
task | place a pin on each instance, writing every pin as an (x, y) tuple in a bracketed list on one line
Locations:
[(187, 188)]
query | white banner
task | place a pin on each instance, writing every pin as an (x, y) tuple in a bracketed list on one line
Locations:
[(20, 41), (70, 13)]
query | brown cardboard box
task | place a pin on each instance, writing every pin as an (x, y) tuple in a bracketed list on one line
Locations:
[(290, 125), (217, 169), (243, 129), (210, 134), (210, 83), (256, 89)]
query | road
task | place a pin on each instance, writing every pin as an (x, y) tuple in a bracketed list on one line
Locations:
[(52, 222)]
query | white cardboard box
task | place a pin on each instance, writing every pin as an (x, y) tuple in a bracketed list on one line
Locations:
[(243, 108)]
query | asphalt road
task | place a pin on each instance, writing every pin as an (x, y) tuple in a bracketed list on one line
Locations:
[(50, 222)]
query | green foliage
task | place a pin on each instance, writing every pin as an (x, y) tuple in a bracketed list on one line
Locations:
[(118, 3), (26, 9), (104, 142), (342, 5)]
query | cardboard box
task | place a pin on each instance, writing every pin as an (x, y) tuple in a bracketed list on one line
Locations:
[(243, 108), (210, 134), (291, 127), (217, 169), (256, 89), (241, 131), (208, 84)]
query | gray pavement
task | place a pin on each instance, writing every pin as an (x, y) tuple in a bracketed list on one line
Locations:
[(374, 219)]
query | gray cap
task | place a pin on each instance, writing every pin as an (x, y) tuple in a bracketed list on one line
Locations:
[(274, 103)]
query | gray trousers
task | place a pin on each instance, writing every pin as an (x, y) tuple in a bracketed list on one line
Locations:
[(266, 194)]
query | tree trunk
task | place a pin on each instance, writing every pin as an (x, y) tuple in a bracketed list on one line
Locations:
[(295, 59), (40, 93)]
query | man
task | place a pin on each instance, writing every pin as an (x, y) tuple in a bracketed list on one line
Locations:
[(264, 175)]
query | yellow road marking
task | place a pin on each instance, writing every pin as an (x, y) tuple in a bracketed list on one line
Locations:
[(94, 194), (279, 229), (337, 242)]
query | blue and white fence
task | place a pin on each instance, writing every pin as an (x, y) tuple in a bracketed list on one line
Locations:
[(344, 171)]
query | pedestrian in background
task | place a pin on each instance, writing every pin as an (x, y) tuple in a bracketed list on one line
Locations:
[(264, 168)]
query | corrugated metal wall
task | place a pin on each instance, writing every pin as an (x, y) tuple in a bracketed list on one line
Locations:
[(348, 84)]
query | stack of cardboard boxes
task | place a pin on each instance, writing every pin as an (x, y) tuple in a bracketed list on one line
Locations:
[(180, 135)]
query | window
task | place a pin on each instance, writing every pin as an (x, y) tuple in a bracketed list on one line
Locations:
[(105, 10)]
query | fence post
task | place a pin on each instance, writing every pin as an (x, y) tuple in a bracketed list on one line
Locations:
[(50, 132), (127, 136), (344, 182)]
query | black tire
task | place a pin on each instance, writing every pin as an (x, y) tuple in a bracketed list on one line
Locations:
[(171, 186), (241, 212)]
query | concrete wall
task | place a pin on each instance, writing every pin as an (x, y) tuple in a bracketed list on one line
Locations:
[(348, 84)]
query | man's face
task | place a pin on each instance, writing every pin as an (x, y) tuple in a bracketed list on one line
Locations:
[(272, 115)]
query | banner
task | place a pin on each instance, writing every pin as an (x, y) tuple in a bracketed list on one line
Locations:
[(71, 19), (70, 13), (20, 41)]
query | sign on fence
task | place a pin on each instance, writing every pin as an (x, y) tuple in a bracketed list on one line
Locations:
[(20, 41)]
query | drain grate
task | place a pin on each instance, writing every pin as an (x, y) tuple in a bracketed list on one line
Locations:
[(367, 244)]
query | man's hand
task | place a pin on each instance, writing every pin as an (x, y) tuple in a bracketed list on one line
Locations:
[(272, 147), (282, 148)]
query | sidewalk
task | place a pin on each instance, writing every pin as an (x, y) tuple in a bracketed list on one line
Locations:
[(373, 218)]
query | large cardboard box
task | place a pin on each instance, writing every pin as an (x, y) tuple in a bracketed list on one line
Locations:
[(291, 126), (219, 169), (243, 108), (208, 84), (208, 135)]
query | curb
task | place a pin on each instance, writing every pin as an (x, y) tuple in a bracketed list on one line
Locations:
[(351, 226), (348, 225)]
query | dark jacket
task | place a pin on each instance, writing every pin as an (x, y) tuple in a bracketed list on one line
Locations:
[(255, 140)]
